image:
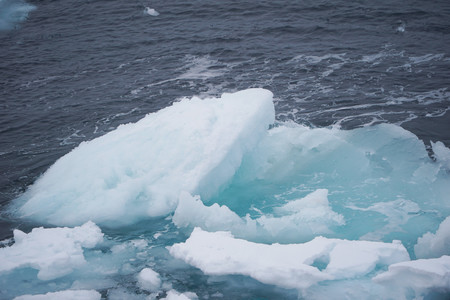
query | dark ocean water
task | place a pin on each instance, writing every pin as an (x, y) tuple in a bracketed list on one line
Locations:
[(75, 70)]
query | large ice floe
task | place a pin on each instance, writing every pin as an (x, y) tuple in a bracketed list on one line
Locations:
[(139, 169), (212, 198)]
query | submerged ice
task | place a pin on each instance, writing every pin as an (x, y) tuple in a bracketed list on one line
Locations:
[(362, 213)]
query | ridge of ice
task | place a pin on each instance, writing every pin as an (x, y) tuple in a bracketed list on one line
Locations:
[(289, 265), (302, 218)]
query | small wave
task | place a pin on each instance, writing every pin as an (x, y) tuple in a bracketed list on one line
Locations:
[(312, 59), (426, 58), (377, 57)]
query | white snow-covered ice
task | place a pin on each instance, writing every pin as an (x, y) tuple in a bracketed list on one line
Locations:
[(55, 252), (288, 266)]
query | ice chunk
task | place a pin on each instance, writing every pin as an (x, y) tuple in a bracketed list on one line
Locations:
[(434, 244), (139, 170), (288, 266), (151, 12), (192, 212), (422, 276), (55, 252), (350, 259), (66, 295), (442, 154), (149, 280), (174, 295)]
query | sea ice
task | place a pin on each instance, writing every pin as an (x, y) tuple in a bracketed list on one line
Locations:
[(434, 244), (288, 266), (139, 170), (66, 295), (286, 184), (55, 252)]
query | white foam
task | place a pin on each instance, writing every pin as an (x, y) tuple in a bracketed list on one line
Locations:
[(426, 58), (434, 244), (312, 59), (139, 169), (288, 266), (55, 252), (201, 68), (66, 295), (421, 276), (149, 280)]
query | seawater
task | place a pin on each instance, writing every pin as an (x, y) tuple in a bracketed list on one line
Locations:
[(74, 71)]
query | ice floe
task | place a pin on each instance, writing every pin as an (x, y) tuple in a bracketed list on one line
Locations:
[(290, 265), (139, 170), (55, 252)]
